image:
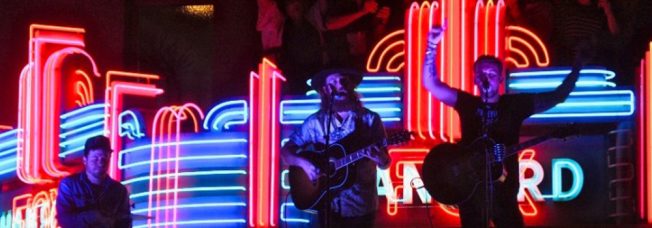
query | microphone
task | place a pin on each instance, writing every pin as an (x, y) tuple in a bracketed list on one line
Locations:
[(334, 91), (485, 82), (332, 87)]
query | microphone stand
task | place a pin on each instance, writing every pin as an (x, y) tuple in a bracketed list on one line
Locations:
[(327, 137), (489, 185)]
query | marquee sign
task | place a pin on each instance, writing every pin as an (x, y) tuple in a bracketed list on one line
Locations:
[(220, 165)]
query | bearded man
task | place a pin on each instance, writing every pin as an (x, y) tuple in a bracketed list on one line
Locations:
[(341, 113)]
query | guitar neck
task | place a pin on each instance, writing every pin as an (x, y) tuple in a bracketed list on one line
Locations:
[(355, 156), (516, 148)]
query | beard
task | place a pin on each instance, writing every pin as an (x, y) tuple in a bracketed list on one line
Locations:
[(342, 102)]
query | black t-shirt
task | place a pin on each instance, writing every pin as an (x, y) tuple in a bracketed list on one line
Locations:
[(504, 117)]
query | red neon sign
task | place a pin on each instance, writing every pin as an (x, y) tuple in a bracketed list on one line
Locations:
[(114, 95), (264, 145), (35, 210), (40, 103), (164, 179)]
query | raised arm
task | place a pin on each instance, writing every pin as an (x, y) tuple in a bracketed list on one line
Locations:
[(547, 100), (440, 90)]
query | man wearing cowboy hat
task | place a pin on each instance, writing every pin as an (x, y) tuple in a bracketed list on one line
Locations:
[(353, 206), (91, 198)]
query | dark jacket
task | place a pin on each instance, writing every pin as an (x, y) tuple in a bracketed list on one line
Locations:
[(82, 204)]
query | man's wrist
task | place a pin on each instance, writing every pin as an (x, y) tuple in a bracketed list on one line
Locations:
[(431, 49)]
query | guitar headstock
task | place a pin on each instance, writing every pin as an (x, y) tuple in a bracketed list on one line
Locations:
[(399, 137), (565, 131)]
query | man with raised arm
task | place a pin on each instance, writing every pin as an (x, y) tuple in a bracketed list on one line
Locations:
[(503, 114)]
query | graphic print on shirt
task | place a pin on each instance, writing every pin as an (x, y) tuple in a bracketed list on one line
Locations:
[(491, 114)]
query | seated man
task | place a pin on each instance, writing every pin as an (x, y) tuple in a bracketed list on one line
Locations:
[(91, 198)]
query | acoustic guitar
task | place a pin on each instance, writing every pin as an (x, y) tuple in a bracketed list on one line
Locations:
[(452, 173), (334, 163)]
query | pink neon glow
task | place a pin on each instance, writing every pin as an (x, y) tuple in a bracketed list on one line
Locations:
[(275, 134), (21, 170), (112, 110), (431, 106), (443, 60), (641, 142), (167, 127), (419, 57), (153, 155), (648, 110), (642, 133), (527, 154), (52, 78), (262, 165), (453, 63), (117, 91), (448, 52), (39, 101), (252, 125), (411, 66), (264, 135), (59, 41)]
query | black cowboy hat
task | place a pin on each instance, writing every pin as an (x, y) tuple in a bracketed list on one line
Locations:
[(319, 79)]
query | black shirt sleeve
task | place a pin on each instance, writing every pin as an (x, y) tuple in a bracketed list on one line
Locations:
[(523, 105)]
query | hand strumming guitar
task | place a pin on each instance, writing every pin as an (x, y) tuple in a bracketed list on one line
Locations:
[(290, 157), (308, 167)]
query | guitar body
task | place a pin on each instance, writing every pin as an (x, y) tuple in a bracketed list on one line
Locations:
[(452, 173), (308, 194), (336, 166)]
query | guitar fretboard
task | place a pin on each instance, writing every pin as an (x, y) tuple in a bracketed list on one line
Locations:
[(353, 157), (514, 149), (359, 154)]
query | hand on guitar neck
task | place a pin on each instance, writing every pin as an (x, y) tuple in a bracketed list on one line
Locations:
[(317, 169), (380, 156)]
